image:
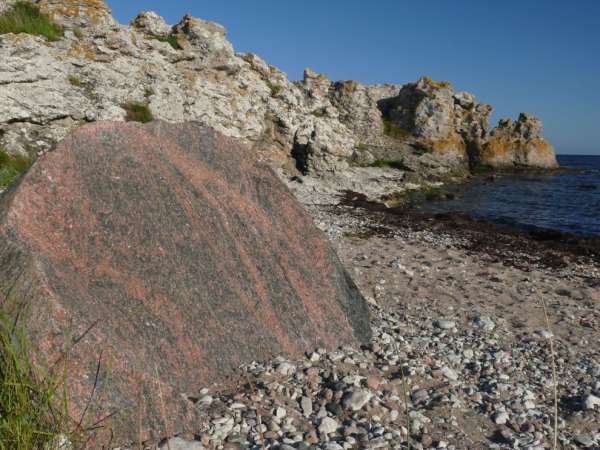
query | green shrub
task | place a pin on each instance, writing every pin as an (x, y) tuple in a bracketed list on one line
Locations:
[(394, 130), (138, 112), (170, 39), (25, 17), (32, 405), (11, 167), (361, 146)]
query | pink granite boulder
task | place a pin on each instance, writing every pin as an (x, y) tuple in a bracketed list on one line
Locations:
[(175, 258)]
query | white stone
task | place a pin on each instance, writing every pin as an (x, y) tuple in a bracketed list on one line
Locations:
[(591, 402), (449, 373), (357, 399), (501, 417), (328, 426)]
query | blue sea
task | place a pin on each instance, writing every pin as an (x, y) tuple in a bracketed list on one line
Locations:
[(567, 201)]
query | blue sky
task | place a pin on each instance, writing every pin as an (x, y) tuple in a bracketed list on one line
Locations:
[(539, 56)]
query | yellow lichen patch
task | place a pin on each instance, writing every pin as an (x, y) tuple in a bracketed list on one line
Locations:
[(436, 85), (82, 50), (453, 144), (505, 152), (94, 10), (498, 151)]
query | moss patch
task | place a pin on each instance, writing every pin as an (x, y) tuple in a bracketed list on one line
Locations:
[(25, 17), (11, 167), (138, 112)]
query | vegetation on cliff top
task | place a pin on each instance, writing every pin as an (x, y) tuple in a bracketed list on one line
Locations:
[(25, 17), (11, 167)]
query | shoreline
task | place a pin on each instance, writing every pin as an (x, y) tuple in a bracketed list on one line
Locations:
[(552, 248)]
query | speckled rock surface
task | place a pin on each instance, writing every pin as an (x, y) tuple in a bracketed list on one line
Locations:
[(182, 259)]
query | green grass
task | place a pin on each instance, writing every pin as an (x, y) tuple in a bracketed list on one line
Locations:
[(25, 17), (11, 167), (32, 401), (386, 163), (138, 112), (361, 146), (394, 130), (170, 39)]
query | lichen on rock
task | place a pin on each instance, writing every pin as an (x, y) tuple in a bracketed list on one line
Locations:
[(518, 144)]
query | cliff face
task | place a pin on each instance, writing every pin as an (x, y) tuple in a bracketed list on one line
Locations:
[(190, 71)]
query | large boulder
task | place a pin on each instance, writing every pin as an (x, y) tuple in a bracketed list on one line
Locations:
[(171, 258)]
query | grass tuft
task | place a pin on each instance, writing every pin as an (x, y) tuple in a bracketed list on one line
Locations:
[(138, 112), (170, 39), (275, 89), (11, 167), (75, 80), (554, 375), (29, 418), (25, 17)]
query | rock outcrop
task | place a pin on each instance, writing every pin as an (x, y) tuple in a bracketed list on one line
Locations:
[(517, 144), (172, 258), (190, 71)]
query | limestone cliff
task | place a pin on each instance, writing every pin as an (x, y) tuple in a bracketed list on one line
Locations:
[(190, 71)]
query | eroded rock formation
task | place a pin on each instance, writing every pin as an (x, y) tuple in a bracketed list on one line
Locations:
[(517, 144), (190, 71), (175, 258)]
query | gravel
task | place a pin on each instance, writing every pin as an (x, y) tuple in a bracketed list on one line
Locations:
[(458, 358)]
